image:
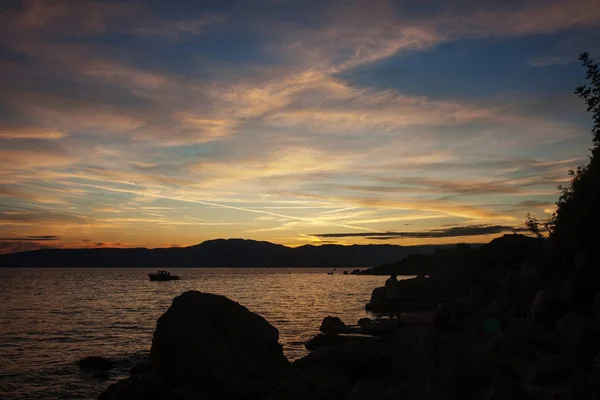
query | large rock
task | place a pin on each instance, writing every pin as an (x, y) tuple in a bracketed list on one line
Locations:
[(546, 309), (318, 382), (218, 345), (146, 386), (356, 359), (570, 330), (330, 323), (453, 368), (442, 318), (378, 302), (579, 334)]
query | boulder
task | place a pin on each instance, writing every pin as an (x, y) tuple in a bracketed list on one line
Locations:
[(546, 309), (509, 345), (467, 374), (219, 346), (596, 305), (146, 386), (94, 362), (318, 382), (378, 302), (570, 330), (330, 323), (554, 372), (357, 359), (442, 318), (579, 334), (368, 389), (139, 367), (322, 340), (568, 292)]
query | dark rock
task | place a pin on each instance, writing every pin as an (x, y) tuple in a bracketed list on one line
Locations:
[(509, 345), (355, 272), (555, 372), (570, 330), (469, 375), (148, 386), (358, 359), (546, 309), (138, 368), (322, 340), (218, 344), (368, 389), (596, 305), (442, 318), (378, 302), (318, 382), (345, 272), (453, 369), (567, 292), (578, 333), (204, 347), (94, 362), (325, 340), (329, 323), (101, 375), (364, 322)]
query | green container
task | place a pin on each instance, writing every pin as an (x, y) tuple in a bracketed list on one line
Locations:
[(492, 325)]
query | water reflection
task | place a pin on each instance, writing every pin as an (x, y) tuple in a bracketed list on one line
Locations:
[(49, 318)]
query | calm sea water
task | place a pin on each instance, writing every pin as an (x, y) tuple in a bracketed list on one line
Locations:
[(51, 318)]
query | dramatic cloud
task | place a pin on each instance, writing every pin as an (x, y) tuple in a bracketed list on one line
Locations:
[(144, 124)]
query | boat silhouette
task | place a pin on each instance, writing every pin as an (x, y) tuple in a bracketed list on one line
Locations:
[(163, 276)]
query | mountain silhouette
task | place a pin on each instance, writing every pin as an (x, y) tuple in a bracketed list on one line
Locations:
[(227, 253)]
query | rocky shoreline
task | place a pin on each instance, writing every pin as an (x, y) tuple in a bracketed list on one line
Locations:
[(545, 347)]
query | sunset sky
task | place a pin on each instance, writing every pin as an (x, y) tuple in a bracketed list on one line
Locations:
[(158, 123)]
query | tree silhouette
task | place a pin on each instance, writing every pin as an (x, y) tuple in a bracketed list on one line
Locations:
[(573, 227)]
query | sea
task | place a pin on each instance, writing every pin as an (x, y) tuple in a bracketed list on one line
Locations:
[(51, 318)]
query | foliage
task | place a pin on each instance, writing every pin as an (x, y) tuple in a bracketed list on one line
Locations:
[(533, 225), (573, 226)]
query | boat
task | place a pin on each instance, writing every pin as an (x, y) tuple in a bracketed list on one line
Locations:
[(163, 276)]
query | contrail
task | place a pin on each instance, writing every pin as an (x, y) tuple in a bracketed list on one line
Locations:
[(208, 203)]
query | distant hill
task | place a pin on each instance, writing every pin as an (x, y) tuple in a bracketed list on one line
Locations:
[(228, 253), (501, 253)]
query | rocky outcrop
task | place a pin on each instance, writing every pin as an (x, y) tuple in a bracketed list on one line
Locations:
[(97, 363), (378, 302), (330, 323), (546, 309), (442, 319), (319, 382), (208, 345)]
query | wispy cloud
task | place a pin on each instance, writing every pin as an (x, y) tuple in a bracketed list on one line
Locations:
[(457, 231), (118, 115)]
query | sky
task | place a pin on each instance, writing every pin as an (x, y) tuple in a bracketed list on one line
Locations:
[(162, 124)]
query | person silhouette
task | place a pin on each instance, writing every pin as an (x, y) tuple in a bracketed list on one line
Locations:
[(392, 295)]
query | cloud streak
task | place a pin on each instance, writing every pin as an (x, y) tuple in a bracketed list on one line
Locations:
[(453, 232), (201, 123)]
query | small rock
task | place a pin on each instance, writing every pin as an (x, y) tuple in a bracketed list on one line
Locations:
[(95, 362), (554, 373), (139, 368), (443, 317), (329, 323), (318, 382), (367, 389)]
